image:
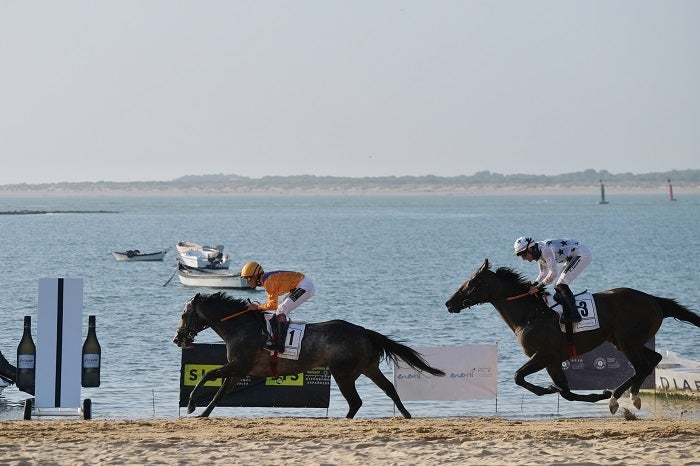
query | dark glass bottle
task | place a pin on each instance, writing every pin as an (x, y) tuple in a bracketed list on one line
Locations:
[(26, 359), (92, 353)]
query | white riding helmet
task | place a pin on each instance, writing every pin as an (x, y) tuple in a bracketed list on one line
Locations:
[(521, 244)]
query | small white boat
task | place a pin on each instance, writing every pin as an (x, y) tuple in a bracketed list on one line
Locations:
[(210, 278), (184, 246), (136, 255), (205, 258), (678, 375)]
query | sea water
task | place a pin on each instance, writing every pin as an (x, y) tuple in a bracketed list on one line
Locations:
[(386, 262)]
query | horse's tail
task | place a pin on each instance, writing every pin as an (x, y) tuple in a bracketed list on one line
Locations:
[(393, 350), (671, 308)]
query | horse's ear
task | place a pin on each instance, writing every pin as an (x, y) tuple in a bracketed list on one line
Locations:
[(484, 266)]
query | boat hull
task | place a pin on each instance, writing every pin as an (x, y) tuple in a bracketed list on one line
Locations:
[(184, 246), (207, 278), (205, 259), (135, 256)]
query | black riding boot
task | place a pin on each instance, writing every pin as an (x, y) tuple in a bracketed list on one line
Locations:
[(271, 344), (568, 304), (282, 327), (7, 370)]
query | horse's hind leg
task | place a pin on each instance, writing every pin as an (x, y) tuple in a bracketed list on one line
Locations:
[(643, 362), (346, 385), (651, 359), (376, 376)]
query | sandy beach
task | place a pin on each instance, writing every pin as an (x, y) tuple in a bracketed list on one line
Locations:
[(317, 441)]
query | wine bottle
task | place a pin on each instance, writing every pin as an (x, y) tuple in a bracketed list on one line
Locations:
[(92, 353), (26, 359)]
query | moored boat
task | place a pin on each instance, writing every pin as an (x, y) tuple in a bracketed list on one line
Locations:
[(205, 258), (184, 246), (210, 278), (136, 255)]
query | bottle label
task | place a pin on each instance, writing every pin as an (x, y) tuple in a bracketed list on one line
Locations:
[(25, 361), (91, 361)]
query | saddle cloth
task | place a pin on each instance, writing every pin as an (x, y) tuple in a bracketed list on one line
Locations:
[(585, 305), (295, 334)]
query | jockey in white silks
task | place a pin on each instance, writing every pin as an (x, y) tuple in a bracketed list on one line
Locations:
[(573, 256)]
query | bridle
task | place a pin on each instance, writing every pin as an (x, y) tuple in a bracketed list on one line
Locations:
[(188, 317), (189, 312)]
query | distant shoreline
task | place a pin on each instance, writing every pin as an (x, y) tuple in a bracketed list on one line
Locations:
[(481, 190), (43, 212), (588, 182)]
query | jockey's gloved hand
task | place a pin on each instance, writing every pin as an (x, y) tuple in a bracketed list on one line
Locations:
[(537, 288)]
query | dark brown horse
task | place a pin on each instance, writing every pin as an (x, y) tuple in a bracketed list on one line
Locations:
[(348, 350), (628, 319)]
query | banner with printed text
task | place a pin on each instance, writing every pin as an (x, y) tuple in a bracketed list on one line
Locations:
[(471, 374), (602, 368), (310, 389)]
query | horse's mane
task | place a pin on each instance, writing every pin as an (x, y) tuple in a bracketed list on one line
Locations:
[(506, 273), (222, 299)]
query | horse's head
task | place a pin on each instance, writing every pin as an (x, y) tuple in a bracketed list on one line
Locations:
[(472, 292), (190, 324), (216, 310), (486, 286)]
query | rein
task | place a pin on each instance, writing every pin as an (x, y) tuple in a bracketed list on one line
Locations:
[(224, 319), (513, 298)]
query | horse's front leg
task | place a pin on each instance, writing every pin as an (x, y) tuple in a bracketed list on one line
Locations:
[(226, 387), (219, 372), (562, 385), (536, 363)]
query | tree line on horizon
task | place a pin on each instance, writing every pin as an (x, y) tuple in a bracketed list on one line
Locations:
[(483, 178)]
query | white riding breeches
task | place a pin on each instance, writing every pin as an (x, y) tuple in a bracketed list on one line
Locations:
[(298, 295), (574, 267)]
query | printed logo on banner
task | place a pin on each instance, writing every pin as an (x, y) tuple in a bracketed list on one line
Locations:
[(310, 389), (296, 380), (195, 372), (601, 368), (471, 373)]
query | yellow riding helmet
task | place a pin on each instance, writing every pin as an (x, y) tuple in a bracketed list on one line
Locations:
[(251, 269)]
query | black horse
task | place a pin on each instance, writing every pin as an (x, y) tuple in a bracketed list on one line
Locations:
[(628, 319), (348, 350)]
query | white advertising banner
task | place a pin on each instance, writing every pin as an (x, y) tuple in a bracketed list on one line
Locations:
[(470, 374)]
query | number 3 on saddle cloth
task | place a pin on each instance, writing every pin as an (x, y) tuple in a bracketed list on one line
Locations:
[(292, 343), (585, 305)]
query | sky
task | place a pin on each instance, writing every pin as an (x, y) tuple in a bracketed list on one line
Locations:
[(153, 90)]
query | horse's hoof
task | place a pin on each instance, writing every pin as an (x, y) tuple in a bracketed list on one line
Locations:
[(636, 401), (613, 405)]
